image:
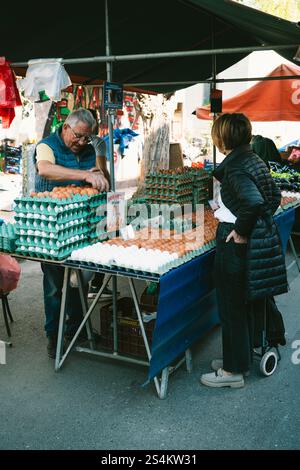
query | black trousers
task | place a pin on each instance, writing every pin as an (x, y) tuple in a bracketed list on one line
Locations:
[(235, 313)]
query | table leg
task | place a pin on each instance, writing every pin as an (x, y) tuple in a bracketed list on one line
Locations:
[(62, 319), (84, 309), (188, 360), (141, 323), (58, 362)]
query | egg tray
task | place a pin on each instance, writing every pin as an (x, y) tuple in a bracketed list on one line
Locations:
[(96, 236), (167, 200), (60, 237), (59, 254), (170, 187), (182, 260), (197, 175), (177, 196), (178, 192), (52, 201), (53, 228), (60, 219), (200, 193), (63, 213), (97, 200), (95, 219), (7, 245), (7, 238), (167, 176), (50, 244)]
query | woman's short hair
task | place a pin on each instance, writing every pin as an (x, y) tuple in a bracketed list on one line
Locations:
[(81, 115), (231, 130)]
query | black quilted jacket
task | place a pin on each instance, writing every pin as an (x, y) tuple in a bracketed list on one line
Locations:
[(251, 194)]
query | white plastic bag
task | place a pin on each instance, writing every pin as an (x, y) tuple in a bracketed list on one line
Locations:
[(47, 75)]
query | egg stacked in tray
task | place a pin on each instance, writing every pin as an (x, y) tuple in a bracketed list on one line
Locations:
[(202, 185), (169, 187), (51, 225), (178, 186), (152, 251)]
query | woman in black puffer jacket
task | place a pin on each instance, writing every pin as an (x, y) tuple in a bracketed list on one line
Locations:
[(249, 263)]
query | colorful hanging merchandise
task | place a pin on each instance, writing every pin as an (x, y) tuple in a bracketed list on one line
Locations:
[(9, 94), (46, 75), (132, 107), (79, 97), (94, 96)]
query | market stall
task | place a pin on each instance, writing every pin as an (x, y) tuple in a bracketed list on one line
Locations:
[(65, 218), (66, 230)]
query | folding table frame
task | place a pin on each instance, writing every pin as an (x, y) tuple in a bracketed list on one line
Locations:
[(161, 384)]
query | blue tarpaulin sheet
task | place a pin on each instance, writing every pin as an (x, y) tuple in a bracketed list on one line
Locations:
[(187, 306), (285, 222)]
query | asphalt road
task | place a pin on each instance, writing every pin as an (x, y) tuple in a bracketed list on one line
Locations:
[(96, 403)]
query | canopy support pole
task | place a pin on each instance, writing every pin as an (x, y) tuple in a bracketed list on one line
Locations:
[(213, 82), (167, 55), (111, 116)]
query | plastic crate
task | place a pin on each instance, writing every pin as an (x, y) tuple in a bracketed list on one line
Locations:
[(130, 339)]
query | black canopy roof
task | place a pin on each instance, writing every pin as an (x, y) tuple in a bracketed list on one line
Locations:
[(140, 27)]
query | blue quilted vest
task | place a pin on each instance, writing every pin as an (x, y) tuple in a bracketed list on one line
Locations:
[(85, 160)]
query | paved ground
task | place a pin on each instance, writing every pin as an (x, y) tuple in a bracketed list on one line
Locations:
[(94, 403)]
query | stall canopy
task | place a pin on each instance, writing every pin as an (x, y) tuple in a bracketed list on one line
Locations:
[(141, 27), (269, 100)]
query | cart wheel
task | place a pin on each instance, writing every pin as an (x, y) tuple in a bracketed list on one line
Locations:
[(268, 363)]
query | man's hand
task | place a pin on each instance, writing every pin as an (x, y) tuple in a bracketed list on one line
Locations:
[(97, 180), (236, 237)]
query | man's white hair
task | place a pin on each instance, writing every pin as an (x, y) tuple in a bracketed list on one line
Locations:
[(81, 115)]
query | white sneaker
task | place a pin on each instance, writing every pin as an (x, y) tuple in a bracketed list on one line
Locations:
[(217, 364), (219, 379)]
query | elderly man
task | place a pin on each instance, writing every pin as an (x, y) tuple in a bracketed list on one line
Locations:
[(66, 157)]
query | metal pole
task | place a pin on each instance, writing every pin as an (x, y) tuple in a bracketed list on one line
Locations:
[(217, 80), (213, 84), (165, 55), (112, 169), (110, 116)]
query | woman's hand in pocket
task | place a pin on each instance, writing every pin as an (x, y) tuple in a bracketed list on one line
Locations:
[(237, 238)]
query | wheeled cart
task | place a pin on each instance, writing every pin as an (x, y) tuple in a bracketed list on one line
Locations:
[(267, 353)]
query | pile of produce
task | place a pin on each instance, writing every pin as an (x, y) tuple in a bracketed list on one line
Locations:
[(287, 179)]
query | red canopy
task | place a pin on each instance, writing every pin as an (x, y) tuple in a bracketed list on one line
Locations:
[(270, 100)]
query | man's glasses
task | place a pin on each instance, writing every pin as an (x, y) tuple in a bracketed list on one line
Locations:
[(85, 138)]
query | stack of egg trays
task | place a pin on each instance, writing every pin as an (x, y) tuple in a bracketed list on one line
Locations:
[(169, 188), (51, 228), (97, 213), (7, 238), (200, 195)]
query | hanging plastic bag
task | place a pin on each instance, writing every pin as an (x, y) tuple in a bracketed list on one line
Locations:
[(10, 271), (46, 75)]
